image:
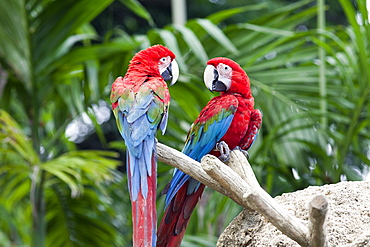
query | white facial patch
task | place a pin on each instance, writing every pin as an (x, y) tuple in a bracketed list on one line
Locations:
[(224, 71), (163, 63)]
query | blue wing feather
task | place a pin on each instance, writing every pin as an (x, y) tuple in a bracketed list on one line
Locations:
[(163, 124), (138, 131), (192, 186), (148, 149), (196, 147), (139, 108), (143, 171), (134, 176)]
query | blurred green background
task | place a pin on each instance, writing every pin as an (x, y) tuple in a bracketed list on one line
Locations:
[(62, 180)]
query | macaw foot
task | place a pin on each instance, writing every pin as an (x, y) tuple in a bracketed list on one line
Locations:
[(245, 152), (224, 150)]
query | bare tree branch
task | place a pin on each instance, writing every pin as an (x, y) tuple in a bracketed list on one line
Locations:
[(317, 209), (253, 196), (227, 178), (186, 164), (237, 181)]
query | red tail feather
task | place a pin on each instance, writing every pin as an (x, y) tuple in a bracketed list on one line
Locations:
[(144, 214), (176, 218)]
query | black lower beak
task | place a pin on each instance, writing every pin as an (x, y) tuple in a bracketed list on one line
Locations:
[(217, 85), (167, 74)]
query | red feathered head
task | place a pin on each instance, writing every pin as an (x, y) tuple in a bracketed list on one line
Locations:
[(224, 75), (156, 60)]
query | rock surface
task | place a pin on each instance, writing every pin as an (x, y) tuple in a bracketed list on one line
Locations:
[(348, 221)]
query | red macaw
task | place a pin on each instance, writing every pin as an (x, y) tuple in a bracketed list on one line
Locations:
[(140, 102), (229, 118)]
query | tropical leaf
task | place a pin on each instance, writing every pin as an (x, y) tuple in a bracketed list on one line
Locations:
[(58, 20), (14, 44), (226, 14), (83, 220), (218, 35), (136, 7)]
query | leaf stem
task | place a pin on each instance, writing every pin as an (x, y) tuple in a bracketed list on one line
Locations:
[(38, 208), (38, 176), (322, 65)]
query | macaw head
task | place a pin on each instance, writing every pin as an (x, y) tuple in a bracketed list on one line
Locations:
[(225, 75), (156, 60)]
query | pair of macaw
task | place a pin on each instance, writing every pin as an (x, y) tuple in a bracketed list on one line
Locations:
[(140, 102)]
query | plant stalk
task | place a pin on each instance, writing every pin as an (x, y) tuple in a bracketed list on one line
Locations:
[(322, 65), (38, 208), (38, 175)]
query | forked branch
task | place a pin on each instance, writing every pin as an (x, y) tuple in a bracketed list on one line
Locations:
[(236, 180)]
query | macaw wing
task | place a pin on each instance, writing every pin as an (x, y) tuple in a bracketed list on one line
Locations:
[(211, 125), (139, 114)]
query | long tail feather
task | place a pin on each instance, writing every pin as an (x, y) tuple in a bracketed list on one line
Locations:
[(176, 217), (144, 214)]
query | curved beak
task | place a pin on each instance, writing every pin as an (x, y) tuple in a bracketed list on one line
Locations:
[(171, 73), (175, 72), (208, 76), (213, 81)]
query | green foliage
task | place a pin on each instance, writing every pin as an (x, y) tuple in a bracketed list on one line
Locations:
[(55, 64), (55, 68), (138, 9), (76, 191), (348, 53)]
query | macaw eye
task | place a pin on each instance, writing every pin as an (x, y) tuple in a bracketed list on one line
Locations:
[(224, 70), (163, 59)]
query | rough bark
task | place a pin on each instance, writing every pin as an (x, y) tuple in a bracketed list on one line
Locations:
[(347, 224), (270, 222)]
